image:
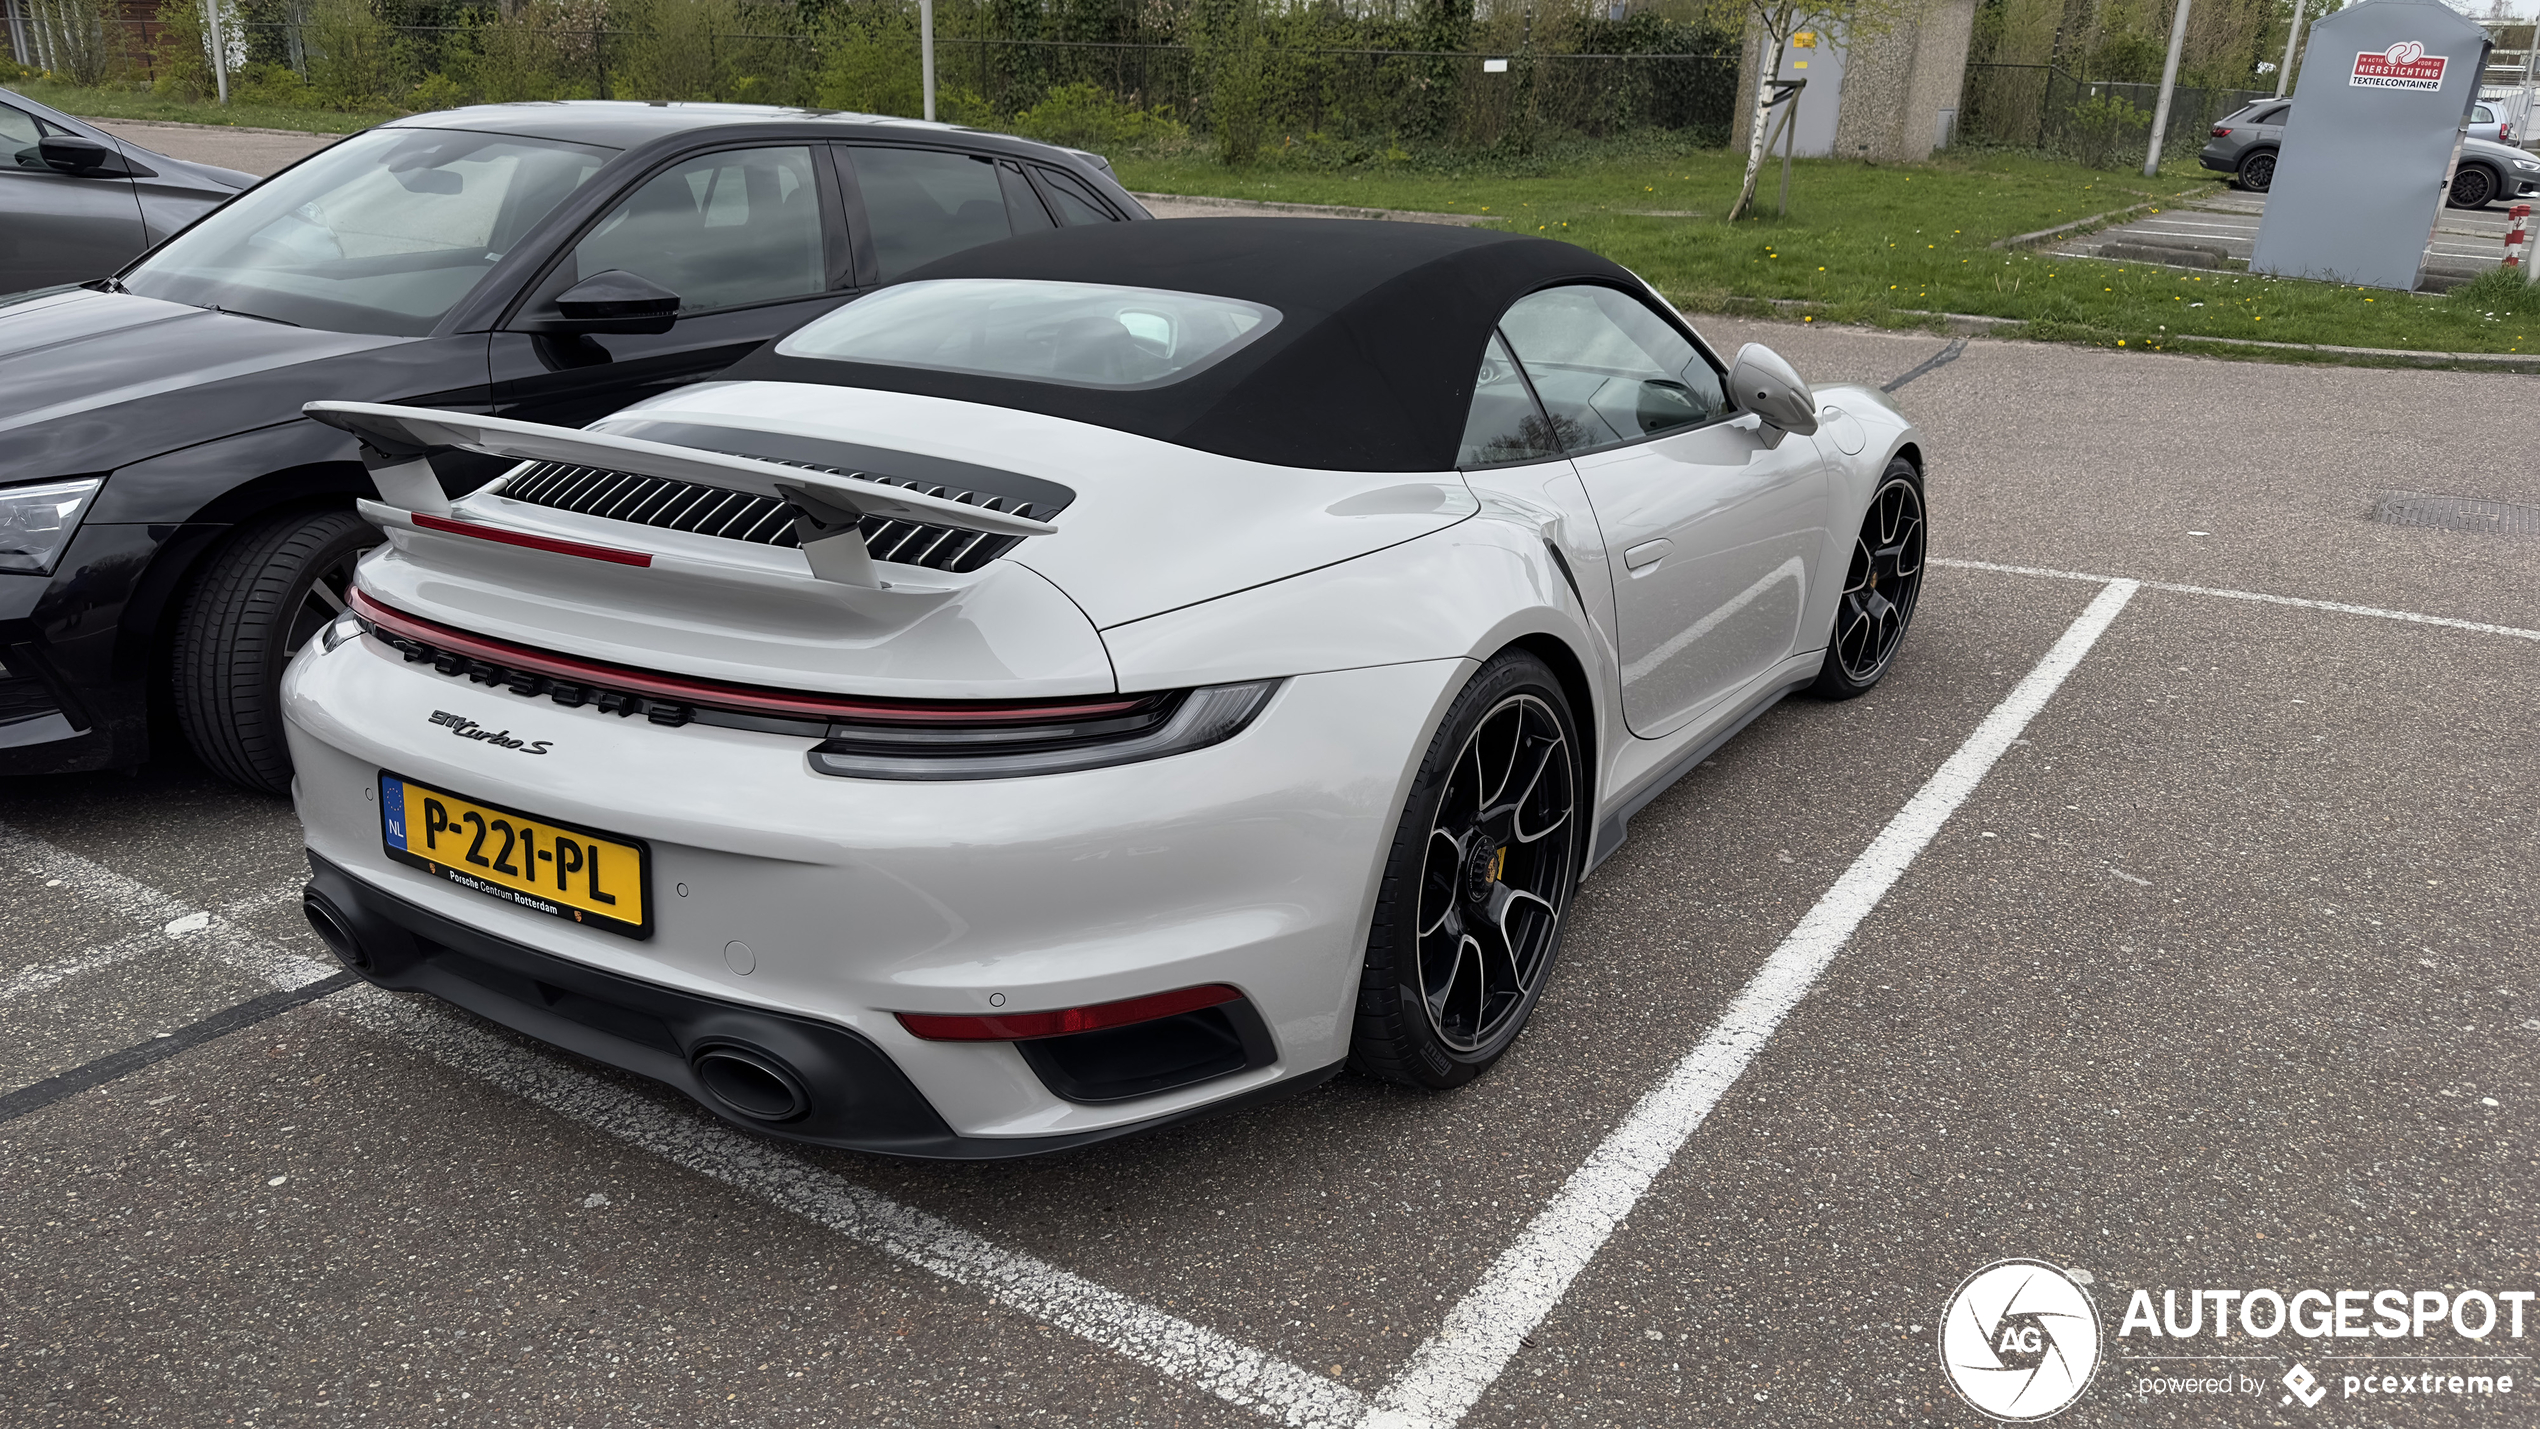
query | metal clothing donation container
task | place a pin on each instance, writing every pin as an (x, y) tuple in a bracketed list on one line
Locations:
[(2376, 126)]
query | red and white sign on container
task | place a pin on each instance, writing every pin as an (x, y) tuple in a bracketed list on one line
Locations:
[(2404, 65)]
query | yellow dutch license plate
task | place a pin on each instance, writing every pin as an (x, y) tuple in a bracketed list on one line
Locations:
[(561, 870)]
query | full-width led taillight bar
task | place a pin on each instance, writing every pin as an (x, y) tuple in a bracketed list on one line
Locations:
[(1024, 1026)]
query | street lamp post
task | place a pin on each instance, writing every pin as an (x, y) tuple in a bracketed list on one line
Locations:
[(2284, 72), (926, 47), (2169, 85), (220, 48)]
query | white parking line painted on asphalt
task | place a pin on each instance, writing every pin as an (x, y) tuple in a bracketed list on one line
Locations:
[(1454, 1368), (2410, 616), (139, 902), (1196, 1357), (36, 979), (1176, 1348)]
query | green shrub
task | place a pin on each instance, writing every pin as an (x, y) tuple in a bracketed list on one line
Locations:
[(870, 65), (352, 56), (542, 50), (86, 37), (180, 57), (438, 91), (2106, 130), (1087, 116), (2496, 293), (273, 84)]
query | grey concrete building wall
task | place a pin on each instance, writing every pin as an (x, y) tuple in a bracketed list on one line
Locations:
[(1899, 82)]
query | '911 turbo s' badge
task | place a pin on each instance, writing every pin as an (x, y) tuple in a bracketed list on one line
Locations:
[(466, 728)]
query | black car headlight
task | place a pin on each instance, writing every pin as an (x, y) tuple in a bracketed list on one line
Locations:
[(37, 522), (1151, 727)]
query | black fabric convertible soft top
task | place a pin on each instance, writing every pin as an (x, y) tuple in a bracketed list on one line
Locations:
[(1370, 368)]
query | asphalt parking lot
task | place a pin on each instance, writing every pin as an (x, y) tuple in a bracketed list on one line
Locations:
[(2166, 916)]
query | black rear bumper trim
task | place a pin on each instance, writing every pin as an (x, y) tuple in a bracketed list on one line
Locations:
[(860, 1099)]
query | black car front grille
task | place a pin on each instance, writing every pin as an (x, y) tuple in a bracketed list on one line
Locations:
[(763, 520), (24, 697)]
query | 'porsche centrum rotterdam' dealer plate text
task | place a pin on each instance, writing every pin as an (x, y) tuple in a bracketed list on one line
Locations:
[(556, 869)]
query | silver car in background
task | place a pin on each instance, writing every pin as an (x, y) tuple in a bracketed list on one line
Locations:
[(2244, 144)]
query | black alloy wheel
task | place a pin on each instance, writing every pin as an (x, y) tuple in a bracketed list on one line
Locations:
[(266, 594), (2257, 172), (1880, 587), (2472, 187), (1469, 917)]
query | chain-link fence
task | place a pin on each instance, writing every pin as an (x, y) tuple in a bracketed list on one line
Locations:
[(2102, 122), (1593, 77), (1368, 94)]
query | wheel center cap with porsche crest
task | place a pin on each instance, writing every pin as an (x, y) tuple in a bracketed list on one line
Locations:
[(1481, 869)]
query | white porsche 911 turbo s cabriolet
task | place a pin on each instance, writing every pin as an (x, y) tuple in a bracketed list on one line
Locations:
[(1107, 676)]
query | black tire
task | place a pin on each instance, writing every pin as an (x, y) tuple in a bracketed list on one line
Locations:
[(267, 592), (2472, 187), (1505, 759), (2257, 171), (1881, 586)]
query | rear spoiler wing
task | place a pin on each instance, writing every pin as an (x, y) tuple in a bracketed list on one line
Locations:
[(828, 509)]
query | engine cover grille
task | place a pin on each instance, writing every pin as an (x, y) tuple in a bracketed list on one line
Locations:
[(747, 516)]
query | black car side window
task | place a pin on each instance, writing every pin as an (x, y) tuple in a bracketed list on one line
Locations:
[(723, 229), (925, 204), (1608, 369), (1075, 204), (2273, 116)]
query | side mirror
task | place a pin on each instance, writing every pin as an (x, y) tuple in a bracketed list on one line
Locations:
[(71, 154), (1761, 383), (616, 301)]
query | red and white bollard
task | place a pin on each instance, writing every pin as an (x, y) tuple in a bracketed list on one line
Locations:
[(2518, 237)]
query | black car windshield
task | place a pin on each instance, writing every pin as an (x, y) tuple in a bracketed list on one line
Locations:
[(1077, 334), (383, 233)]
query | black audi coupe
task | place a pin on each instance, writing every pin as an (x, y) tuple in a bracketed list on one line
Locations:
[(171, 528)]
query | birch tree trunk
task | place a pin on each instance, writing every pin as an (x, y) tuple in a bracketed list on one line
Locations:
[(1767, 68)]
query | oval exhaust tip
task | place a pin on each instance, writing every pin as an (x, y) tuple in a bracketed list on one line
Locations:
[(334, 931), (750, 1082)]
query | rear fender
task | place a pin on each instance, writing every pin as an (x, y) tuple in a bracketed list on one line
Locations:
[(1463, 593)]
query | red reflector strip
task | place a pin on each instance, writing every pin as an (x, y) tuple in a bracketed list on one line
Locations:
[(1023, 1026), (508, 537), (702, 692)]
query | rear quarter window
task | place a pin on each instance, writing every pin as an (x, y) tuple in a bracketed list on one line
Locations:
[(1075, 203)]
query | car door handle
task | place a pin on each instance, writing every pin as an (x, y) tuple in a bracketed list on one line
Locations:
[(1646, 552)]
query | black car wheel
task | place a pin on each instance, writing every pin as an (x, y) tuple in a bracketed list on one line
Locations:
[(1476, 890), (2257, 172), (1880, 588), (2472, 187), (267, 593)]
